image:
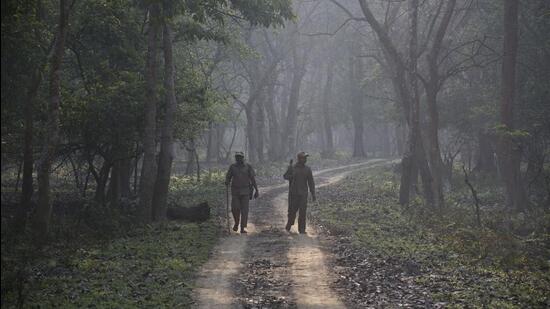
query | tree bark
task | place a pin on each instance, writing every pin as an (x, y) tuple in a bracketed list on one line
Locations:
[(328, 152), (251, 132), (510, 153), (289, 136), (42, 217), (274, 145), (485, 153), (260, 126), (166, 154), (210, 142), (356, 73), (410, 161), (149, 165), (27, 188)]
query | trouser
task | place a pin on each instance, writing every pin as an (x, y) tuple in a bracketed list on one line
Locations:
[(239, 208), (297, 204)]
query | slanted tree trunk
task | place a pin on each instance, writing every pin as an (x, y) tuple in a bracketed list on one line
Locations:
[(149, 165), (166, 154), (509, 152), (51, 137), (328, 152)]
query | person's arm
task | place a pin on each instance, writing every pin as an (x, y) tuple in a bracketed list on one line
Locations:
[(228, 176), (253, 181), (311, 184)]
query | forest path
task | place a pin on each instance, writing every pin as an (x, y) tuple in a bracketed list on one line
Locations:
[(268, 267)]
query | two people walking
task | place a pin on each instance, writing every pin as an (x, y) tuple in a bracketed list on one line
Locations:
[(241, 177)]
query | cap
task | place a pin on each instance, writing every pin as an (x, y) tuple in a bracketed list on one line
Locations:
[(239, 154), (302, 154)]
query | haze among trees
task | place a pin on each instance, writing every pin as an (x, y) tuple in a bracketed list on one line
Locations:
[(113, 112)]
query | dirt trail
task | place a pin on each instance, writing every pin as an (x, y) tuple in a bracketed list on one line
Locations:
[(270, 268)]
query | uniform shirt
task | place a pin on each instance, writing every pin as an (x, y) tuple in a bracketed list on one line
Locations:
[(300, 177), (241, 177)]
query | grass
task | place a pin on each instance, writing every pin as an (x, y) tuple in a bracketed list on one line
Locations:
[(504, 264)]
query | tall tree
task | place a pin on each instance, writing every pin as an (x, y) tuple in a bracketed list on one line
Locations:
[(433, 86), (510, 152), (51, 137), (149, 164), (328, 150), (166, 154), (298, 72), (356, 100)]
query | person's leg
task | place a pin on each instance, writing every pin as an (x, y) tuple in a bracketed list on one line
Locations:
[(235, 210), (292, 209), (244, 211), (302, 214)]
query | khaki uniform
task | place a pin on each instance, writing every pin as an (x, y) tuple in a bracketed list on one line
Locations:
[(241, 177), (301, 178)]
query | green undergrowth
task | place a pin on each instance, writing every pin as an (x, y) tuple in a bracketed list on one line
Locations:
[(153, 266), (111, 261), (504, 263)]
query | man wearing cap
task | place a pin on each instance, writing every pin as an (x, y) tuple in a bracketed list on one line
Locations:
[(300, 178), (241, 176)]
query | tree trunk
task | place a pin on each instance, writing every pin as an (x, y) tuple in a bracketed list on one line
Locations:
[(328, 151), (51, 137), (409, 163), (189, 168), (399, 139), (166, 154), (510, 153), (260, 127), (274, 145), (289, 136), (356, 71), (220, 132), (251, 132), (210, 141), (433, 85), (149, 166), (434, 153), (27, 189), (125, 170), (485, 156)]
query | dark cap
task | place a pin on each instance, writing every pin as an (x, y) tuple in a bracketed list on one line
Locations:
[(302, 154), (239, 154)]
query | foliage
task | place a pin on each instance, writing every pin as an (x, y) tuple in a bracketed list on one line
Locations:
[(506, 257), (107, 260)]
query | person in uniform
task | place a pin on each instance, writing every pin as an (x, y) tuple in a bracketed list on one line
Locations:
[(301, 178), (242, 179)]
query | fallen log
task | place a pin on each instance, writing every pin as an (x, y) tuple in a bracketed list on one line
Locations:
[(198, 213)]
